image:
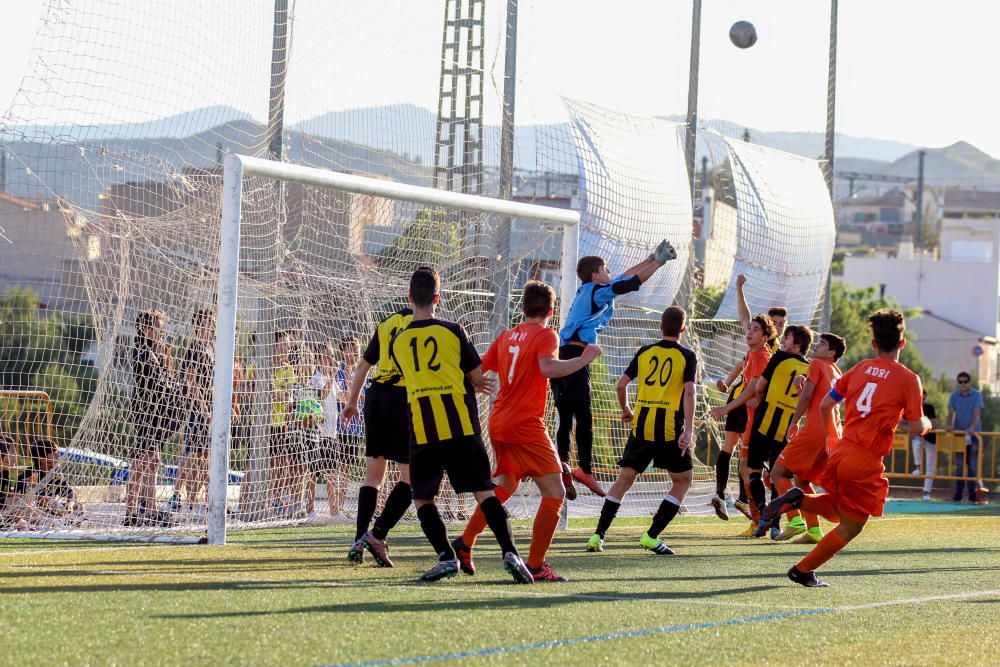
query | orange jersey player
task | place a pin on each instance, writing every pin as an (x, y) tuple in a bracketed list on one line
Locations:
[(804, 457), (759, 331), (877, 393), (524, 358)]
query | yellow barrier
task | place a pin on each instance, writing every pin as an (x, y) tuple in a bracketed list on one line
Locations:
[(899, 464), (26, 415)]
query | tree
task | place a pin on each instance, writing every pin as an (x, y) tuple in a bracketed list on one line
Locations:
[(43, 350), (849, 311), (432, 239), (67, 408)]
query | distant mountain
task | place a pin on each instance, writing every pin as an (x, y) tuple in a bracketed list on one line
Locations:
[(397, 141), (80, 170), (410, 130), (172, 127), (958, 165)]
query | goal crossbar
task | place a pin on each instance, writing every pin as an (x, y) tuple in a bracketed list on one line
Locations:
[(236, 168)]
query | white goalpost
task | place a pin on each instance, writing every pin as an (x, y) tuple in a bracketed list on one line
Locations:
[(236, 169)]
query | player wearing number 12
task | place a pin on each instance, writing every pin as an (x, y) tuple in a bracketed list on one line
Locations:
[(662, 428), (524, 358), (876, 392), (442, 372)]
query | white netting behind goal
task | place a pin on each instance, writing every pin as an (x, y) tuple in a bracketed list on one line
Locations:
[(769, 218), (111, 201)]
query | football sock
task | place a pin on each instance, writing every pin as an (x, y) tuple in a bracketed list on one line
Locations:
[(812, 520), (367, 500), (498, 521), (477, 523), (584, 436), (754, 512), (395, 506), (743, 492), (608, 513), (722, 472), (435, 530), (831, 543), (664, 515), (822, 505), (784, 486), (543, 530), (758, 492)]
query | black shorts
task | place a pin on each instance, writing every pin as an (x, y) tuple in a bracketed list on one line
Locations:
[(464, 459), (666, 455), (301, 445), (197, 435), (736, 421), (575, 386), (762, 451), (387, 423), (327, 456)]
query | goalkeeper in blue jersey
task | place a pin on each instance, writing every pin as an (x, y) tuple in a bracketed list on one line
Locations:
[(590, 313)]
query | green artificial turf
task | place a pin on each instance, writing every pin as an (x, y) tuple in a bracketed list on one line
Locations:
[(289, 597)]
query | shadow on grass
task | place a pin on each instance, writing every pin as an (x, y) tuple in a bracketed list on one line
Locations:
[(431, 606)]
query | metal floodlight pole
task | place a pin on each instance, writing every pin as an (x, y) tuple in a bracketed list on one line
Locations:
[(501, 279), (690, 138), (279, 68), (831, 112), (918, 215)]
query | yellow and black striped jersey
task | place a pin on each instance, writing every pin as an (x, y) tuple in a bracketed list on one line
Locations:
[(780, 397), (434, 357), (377, 352), (660, 369)]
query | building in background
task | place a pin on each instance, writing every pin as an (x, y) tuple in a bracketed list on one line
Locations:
[(40, 241), (957, 290)]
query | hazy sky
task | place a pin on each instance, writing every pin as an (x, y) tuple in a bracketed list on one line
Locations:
[(922, 72)]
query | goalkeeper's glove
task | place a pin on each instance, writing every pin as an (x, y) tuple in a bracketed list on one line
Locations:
[(663, 253)]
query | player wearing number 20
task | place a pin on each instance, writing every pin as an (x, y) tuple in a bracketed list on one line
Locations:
[(662, 428), (875, 392), (442, 372)]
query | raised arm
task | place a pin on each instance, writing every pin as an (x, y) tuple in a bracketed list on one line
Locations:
[(741, 301)]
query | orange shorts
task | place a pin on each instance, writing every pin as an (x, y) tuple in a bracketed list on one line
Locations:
[(526, 459), (855, 478), (805, 455)]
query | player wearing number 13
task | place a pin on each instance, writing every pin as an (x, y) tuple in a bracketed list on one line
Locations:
[(442, 372), (876, 393), (778, 397)]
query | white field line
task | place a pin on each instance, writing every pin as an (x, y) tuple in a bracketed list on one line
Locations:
[(914, 601)]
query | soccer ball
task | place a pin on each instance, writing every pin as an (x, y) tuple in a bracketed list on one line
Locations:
[(743, 34)]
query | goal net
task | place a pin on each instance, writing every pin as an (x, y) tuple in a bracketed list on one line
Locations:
[(112, 196)]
